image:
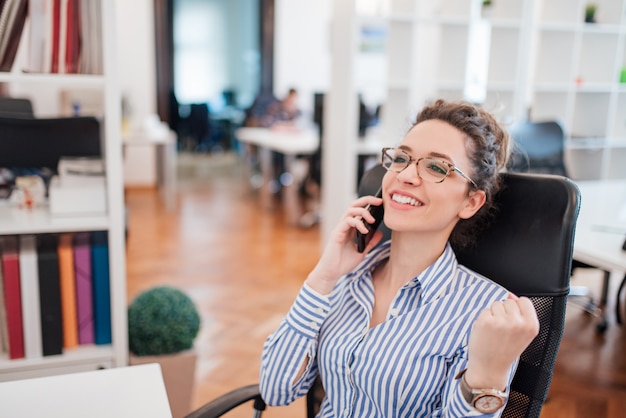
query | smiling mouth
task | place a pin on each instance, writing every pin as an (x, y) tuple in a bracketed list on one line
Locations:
[(405, 200)]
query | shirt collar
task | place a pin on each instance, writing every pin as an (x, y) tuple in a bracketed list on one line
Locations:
[(434, 280)]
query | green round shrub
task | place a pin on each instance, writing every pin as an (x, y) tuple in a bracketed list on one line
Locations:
[(162, 320)]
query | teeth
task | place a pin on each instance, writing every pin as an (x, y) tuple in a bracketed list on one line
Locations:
[(405, 200)]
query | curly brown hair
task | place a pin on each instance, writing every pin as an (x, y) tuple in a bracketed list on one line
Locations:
[(488, 147)]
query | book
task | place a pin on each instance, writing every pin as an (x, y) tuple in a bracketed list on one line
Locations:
[(101, 287), (55, 35), (12, 295), (40, 36), (68, 291), (13, 24), (84, 293), (72, 37), (4, 336), (29, 282), (50, 294)]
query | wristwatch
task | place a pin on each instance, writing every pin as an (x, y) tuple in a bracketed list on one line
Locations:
[(486, 401)]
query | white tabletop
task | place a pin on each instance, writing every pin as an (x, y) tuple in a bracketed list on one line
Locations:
[(286, 140), (601, 226), (136, 391)]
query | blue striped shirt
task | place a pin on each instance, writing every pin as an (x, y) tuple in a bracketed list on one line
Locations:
[(403, 367)]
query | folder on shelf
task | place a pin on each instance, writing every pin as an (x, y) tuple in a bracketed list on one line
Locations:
[(12, 295), (72, 37), (40, 36), (12, 19), (29, 282), (55, 35), (50, 294), (91, 37), (84, 293), (4, 336), (68, 291), (101, 287)]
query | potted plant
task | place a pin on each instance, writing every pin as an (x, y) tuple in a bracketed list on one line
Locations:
[(486, 8), (162, 325), (590, 12)]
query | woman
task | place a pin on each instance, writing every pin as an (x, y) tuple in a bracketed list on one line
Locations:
[(406, 331)]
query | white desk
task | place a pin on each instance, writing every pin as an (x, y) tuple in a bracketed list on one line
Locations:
[(601, 226), (136, 391), (290, 142)]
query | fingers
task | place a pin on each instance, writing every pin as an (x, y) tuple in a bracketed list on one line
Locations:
[(515, 313), (358, 214)]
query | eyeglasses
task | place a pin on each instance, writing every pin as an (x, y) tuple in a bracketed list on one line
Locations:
[(428, 169)]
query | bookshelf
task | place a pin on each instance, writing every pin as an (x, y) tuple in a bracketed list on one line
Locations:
[(543, 60), (430, 56), (43, 89)]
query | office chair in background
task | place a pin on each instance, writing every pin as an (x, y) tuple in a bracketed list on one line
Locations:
[(15, 107), (539, 148), (528, 249)]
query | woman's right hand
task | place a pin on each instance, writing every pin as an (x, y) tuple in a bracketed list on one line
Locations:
[(340, 256)]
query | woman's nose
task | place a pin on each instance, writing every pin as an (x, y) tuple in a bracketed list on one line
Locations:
[(410, 175)]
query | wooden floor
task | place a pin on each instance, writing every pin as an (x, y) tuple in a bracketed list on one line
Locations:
[(243, 265)]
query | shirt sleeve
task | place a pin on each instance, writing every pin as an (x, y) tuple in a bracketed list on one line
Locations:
[(293, 344)]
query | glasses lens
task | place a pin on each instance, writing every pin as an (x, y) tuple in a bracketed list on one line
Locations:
[(395, 160), (432, 170)]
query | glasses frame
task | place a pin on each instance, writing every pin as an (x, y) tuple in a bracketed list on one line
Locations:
[(451, 167)]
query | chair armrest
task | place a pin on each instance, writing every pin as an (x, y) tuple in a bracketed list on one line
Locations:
[(230, 400)]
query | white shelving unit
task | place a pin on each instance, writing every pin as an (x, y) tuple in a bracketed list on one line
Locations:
[(543, 61), (39, 88), (577, 81)]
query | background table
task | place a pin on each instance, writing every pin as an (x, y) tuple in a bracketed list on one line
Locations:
[(601, 227), (290, 142)]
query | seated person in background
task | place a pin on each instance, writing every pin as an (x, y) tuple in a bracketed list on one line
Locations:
[(405, 331)]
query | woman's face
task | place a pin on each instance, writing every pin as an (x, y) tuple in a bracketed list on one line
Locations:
[(412, 204)]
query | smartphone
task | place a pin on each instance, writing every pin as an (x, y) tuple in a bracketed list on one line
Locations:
[(377, 212)]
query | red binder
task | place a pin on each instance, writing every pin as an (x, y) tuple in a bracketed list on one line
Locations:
[(12, 295)]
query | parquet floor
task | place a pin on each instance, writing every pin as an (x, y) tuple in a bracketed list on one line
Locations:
[(243, 265)]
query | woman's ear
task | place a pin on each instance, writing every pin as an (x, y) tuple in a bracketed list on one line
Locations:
[(475, 200)]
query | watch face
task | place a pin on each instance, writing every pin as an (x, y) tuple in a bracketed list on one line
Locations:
[(488, 403)]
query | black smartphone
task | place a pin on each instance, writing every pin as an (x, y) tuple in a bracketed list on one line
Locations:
[(377, 212)]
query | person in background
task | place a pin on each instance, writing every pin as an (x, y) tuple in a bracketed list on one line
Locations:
[(402, 329)]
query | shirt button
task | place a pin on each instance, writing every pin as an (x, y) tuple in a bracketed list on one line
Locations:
[(319, 311), (313, 324), (346, 412)]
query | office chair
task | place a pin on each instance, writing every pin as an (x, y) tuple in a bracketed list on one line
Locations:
[(539, 148), (528, 249), (14, 107)]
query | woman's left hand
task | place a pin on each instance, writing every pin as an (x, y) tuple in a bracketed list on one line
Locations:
[(499, 336)]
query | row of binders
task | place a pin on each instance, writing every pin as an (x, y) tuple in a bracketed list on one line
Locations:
[(54, 293), (62, 36)]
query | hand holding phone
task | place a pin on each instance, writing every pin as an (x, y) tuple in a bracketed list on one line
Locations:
[(378, 213)]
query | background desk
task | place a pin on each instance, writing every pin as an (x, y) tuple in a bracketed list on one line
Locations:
[(601, 226), (150, 160), (136, 391), (290, 143)]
